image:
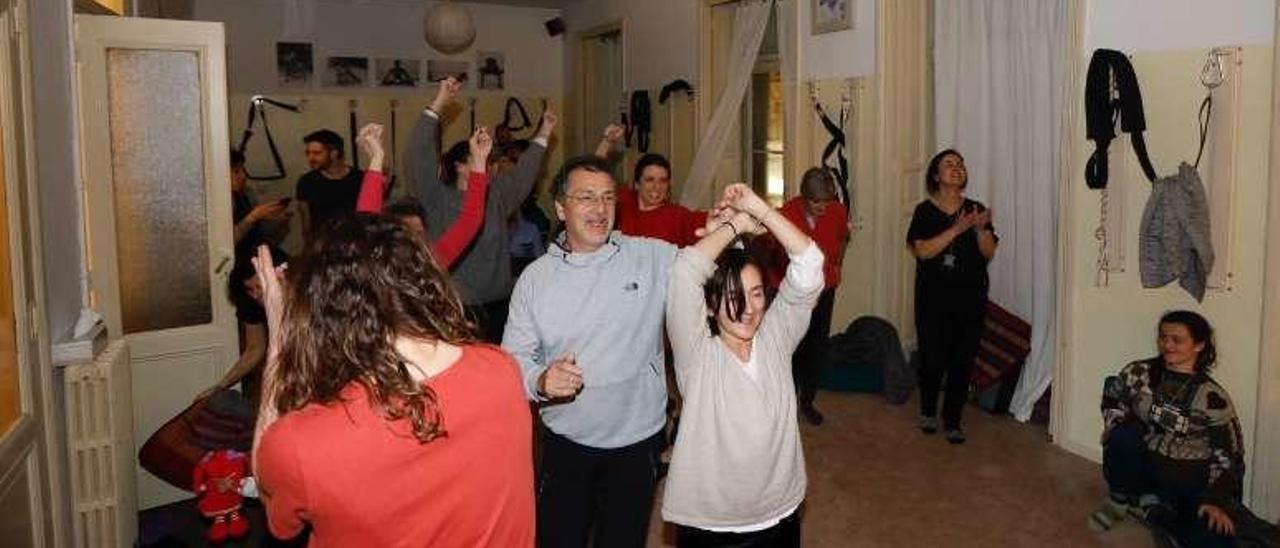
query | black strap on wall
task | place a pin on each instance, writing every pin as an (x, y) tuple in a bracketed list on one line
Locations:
[(353, 126), (641, 118), (835, 147), (1102, 108), (258, 109), (676, 86)]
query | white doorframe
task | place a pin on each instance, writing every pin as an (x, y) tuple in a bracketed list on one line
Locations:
[(31, 447), (1265, 461)]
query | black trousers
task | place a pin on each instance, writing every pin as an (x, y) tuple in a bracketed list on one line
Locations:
[(491, 318), (949, 327), (811, 354), (1131, 472), (786, 534), (601, 496)]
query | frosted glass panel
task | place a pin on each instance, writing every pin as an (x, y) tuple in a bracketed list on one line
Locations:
[(157, 163)]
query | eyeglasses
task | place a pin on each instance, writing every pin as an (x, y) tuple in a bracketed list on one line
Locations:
[(586, 199)]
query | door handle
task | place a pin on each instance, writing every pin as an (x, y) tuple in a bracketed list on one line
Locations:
[(222, 265)]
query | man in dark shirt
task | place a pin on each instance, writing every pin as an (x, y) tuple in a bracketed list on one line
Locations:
[(331, 187)]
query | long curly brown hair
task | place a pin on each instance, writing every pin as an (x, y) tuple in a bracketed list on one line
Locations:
[(362, 283)]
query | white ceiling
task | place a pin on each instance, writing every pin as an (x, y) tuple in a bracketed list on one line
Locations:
[(528, 3)]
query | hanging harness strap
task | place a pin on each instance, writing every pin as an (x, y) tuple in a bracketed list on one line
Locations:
[(354, 127), (836, 146), (641, 118), (390, 166), (1101, 111), (258, 109)]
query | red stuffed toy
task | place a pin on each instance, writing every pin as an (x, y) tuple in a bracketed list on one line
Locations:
[(218, 480)]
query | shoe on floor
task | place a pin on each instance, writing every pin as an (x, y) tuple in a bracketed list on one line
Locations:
[(1108, 515), (928, 425), (955, 436), (811, 414)]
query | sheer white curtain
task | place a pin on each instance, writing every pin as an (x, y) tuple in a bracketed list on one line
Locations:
[(750, 19), (998, 79)]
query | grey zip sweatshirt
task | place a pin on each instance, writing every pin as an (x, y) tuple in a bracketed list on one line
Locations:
[(606, 307)]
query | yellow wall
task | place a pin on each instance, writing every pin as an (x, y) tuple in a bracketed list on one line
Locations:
[(1112, 325)]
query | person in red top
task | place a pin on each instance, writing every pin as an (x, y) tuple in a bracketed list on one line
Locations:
[(645, 208), (383, 422), (824, 219), (455, 240)]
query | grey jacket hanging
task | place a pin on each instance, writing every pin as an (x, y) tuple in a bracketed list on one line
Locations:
[(1174, 241)]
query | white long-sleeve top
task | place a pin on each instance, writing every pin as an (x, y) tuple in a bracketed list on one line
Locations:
[(737, 462)]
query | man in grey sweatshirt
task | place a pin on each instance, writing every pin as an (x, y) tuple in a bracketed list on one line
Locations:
[(483, 273), (586, 326)]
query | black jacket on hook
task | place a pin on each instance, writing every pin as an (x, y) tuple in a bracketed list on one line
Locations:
[(1101, 110)]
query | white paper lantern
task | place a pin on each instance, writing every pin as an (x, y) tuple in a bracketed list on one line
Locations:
[(448, 27)]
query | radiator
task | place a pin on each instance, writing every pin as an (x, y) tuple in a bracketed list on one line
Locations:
[(99, 414)]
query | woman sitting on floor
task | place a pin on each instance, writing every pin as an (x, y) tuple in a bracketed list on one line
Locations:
[(1172, 448), (737, 472)]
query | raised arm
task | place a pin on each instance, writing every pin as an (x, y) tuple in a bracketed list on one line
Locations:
[(686, 307), (450, 245), (511, 188), (373, 185), (271, 277), (423, 158), (613, 134), (740, 197)]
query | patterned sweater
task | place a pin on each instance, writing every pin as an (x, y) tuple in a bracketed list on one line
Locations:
[(1210, 436)]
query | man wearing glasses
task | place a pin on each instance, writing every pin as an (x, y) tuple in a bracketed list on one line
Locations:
[(586, 326)]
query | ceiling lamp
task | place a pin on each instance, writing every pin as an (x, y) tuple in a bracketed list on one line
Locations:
[(448, 27)]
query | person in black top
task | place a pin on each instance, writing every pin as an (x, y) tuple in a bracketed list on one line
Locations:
[(953, 240), (331, 188), (245, 214)]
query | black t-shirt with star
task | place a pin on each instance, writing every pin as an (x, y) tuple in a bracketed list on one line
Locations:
[(328, 199), (961, 265)]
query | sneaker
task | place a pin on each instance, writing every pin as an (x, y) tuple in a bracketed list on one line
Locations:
[(928, 424), (1108, 515), (811, 414), (955, 436)]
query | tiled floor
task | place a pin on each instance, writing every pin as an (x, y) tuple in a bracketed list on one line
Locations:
[(875, 480)]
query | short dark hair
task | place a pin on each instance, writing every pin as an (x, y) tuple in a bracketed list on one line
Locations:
[(651, 159), (818, 185), (408, 206), (725, 286), (457, 154), (931, 174), (327, 138), (1201, 332), (586, 162), (237, 159)]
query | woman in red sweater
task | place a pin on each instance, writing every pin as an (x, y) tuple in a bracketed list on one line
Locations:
[(394, 428)]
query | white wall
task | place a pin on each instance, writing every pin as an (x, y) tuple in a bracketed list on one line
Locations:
[(840, 54), (660, 38), (1170, 25), (383, 28), (1112, 325)]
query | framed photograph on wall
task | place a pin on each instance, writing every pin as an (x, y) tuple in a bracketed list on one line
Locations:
[(439, 69), (295, 64), (491, 68), (831, 15), (346, 72), (397, 72)]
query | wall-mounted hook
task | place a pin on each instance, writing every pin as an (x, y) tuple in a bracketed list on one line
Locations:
[(1212, 75)]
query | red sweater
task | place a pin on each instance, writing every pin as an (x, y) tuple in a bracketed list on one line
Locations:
[(454, 241), (669, 222), (361, 481), (830, 232)]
